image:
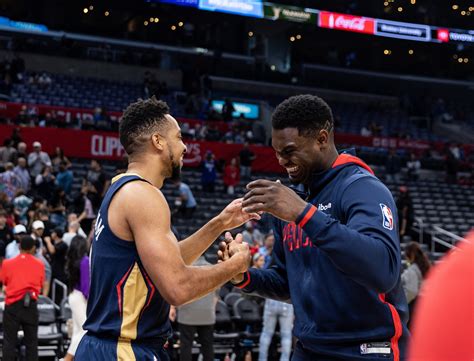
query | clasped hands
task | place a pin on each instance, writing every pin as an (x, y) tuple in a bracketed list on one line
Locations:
[(262, 196)]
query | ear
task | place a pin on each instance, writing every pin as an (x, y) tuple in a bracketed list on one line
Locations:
[(158, 141), (323, 137)]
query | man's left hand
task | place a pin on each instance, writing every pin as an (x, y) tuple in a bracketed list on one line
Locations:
[(233, 216), (274, 198)]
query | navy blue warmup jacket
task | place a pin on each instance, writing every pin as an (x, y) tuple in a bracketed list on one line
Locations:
[(339, 264)]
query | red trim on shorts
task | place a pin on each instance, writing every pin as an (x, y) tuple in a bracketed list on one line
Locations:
[(397, 323)]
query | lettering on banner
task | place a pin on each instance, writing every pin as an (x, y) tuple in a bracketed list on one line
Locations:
[(106, 146), (193, 154)]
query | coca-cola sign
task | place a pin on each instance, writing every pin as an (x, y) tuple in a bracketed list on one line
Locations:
[(345, 22)]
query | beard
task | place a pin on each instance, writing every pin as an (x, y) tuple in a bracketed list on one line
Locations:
[(175, 166)]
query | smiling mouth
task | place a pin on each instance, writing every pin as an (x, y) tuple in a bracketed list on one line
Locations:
[(293, 170)]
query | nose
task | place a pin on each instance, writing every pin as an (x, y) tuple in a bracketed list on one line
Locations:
[(185, 149), (282, 161)]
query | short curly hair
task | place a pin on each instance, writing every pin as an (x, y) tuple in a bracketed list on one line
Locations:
[(139, 120), (307, 113)]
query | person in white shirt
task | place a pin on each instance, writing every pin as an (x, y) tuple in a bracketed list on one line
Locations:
[(37, 160), (13, 248), (74, 229)]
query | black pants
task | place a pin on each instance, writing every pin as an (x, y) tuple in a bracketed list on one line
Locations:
[(17, 315), (205, 338)]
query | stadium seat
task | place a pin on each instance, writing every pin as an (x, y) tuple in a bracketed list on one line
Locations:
[(50, 337)]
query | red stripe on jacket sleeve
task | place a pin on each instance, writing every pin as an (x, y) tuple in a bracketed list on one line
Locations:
[(312, 210), (246, 281)]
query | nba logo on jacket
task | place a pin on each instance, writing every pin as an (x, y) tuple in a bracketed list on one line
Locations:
[(387, 217)]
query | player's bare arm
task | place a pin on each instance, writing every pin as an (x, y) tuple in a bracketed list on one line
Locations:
[(148, 219)]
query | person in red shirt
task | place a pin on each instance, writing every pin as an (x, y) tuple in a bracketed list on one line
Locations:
[(22, 278), (231, 176), (443, 329)]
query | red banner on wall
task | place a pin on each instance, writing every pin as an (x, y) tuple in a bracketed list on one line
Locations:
[(106, 145)]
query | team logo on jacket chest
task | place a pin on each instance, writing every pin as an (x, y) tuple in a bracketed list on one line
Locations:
[(293, 237), (387, 217)]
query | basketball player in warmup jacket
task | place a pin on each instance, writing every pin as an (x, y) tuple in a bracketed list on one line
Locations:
[(137, 266), (336, 252)]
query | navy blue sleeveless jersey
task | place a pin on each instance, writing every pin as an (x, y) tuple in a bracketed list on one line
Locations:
[(123, 302)]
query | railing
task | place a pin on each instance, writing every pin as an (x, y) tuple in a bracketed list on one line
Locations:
[(56, 284), (450, 239), (421, 228)]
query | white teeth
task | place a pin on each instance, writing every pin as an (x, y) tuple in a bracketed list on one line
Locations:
[(292, 170)]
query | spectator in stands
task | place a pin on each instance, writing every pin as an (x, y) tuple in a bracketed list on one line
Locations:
[(412, 277), (77, 269), (64, 178), (87, 204), (6, 235), (58, 159), (44, 80), (186, 202), (231, 176), (451, 166), (9, 182), (375, 129), (37, 160), (57, 248), (13, 248), (267, 249), (7, 153), (252, 235), (212, 113), (22, 117), (405, 211), (71, 218), (209, 173), (365, 131), (413, 168), (17, 68), (72, 231), (198, 317), (37, 234), (21, 205), (258, 261), (22, 174), (393, 167), (246, 159), (283, 313), (259, 133), (23, 278), (16, 138), (57, 208), (45, 182), (49, 120), (227, 110), (97, 177), (21, 148)]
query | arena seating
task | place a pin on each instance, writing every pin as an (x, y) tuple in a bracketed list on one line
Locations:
[(89, 93)]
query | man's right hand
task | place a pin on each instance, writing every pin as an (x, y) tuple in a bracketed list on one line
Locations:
[(235, 248)]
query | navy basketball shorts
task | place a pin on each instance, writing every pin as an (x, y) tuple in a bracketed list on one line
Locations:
[(93, 348)]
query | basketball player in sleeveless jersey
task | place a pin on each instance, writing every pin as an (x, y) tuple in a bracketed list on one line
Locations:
[(137, 266)]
